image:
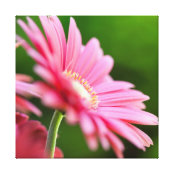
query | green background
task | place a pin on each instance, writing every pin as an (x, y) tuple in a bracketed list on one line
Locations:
[(133, 43)]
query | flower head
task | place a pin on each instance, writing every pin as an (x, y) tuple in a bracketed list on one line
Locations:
[(31, 138), (77, 80)]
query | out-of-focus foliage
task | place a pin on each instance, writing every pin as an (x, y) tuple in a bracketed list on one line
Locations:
[(133, 43)]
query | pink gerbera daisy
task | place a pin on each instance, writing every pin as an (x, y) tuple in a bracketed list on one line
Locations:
[(77, 80)]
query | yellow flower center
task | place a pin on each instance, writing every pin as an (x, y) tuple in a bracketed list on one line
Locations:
[(83, 88)]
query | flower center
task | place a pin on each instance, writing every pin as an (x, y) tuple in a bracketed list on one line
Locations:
[(83, 88)]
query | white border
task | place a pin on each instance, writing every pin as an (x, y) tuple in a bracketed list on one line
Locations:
[(166, 103)]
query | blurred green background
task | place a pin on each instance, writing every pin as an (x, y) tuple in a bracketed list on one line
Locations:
[(133, 43)]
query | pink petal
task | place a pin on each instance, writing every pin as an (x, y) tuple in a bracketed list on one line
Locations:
[(73, 45), (87, 124), (60, 32), (25, 89), (112, 86), (33, 26), (25, 106), (88, 57), (143, 136), (104, 79), (92, 142), (121, 97), (102, 131), (38, 40), (136, 105), (116, 144), (71, 116), (100, 70), (44, 73), (54, 42), (129, 115), (104, 142), (122, 129), (23, 77), (31, 52)]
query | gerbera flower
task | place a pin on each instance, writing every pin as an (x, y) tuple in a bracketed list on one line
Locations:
[(23, 89), (77, 80), (31, 138)]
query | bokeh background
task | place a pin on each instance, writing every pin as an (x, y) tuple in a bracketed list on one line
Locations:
[(133, 43)]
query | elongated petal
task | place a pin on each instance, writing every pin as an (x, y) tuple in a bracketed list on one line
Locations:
[(38, 40), (121, 97), (92, 142), (122, 129), (32, 52), (100, 70), (102, 132), (143, 136), (54, 42), (25, 106), (25, 89), (45, 74), (112, 86), (124, 95), (136, 105), (71, 116), (60, 32), (73, 45), (88, 57), (23, 77), (129, 115), (116, 144), (87, 124)]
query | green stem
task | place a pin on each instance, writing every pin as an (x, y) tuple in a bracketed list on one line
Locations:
[(52, 133)]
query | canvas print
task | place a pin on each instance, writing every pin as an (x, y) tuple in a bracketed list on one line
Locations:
[(86, 87)]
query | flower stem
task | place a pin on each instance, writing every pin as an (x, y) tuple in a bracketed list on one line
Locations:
[(52, 133)]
